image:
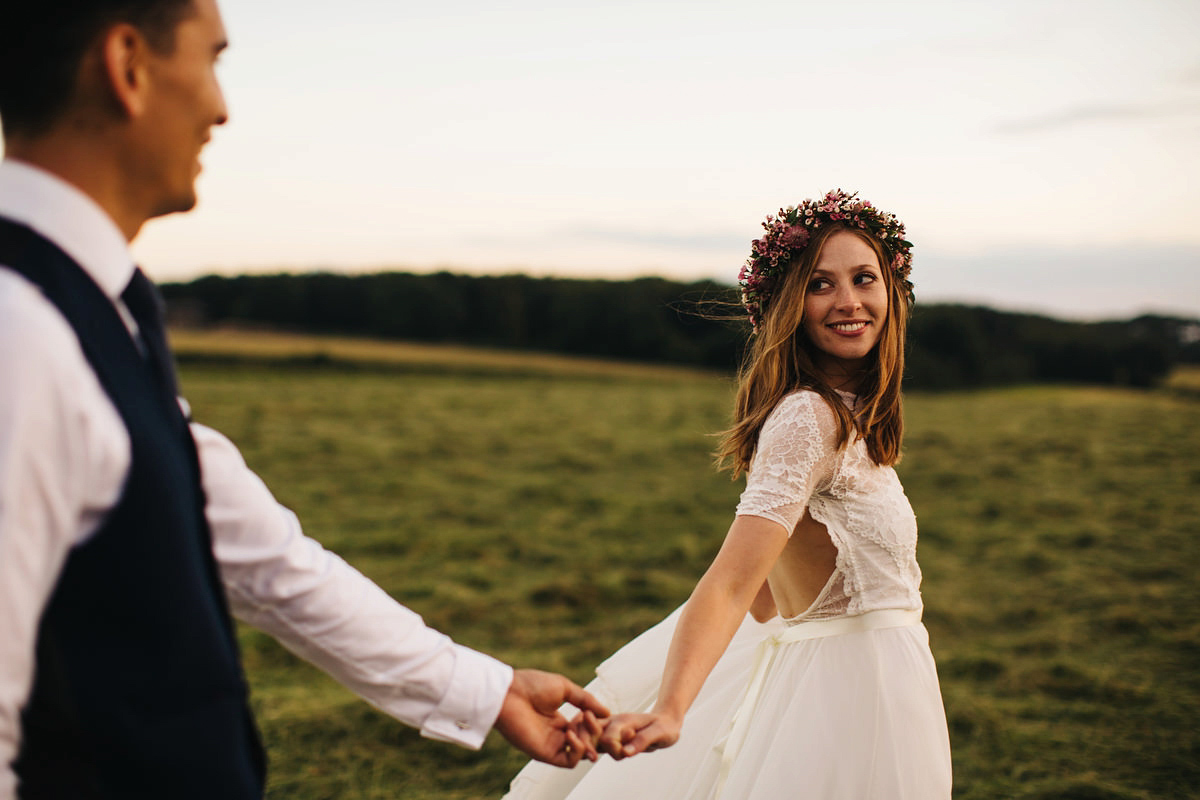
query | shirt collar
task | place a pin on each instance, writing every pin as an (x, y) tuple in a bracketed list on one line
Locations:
[(66, 216)]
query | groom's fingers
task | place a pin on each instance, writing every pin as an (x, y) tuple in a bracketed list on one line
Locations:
[(583, 700), (594, 729), (555, 746), (571, 753), (547, 691), (586, 729), (578, 746), (531, 721)]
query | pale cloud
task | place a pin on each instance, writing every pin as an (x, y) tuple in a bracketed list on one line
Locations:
[(700, 240), (1182, 110)]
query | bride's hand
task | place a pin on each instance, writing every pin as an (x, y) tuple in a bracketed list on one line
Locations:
[(629, 734)]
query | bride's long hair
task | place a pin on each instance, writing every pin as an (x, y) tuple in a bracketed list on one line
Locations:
[(780, 360)]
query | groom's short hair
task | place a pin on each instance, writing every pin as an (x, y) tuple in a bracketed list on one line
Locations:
[(42, 43)]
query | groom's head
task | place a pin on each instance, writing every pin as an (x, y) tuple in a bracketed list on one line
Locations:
[(130, 81)]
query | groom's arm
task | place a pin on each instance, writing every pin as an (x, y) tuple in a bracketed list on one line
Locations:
[(321, 608), (327, 612)]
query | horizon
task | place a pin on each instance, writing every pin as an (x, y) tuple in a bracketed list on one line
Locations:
[(988, 305)]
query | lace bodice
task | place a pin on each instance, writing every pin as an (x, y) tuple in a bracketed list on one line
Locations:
[(797, 467)]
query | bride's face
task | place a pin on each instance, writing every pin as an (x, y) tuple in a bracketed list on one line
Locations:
[(846, 302)]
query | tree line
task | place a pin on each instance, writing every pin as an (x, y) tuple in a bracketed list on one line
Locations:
[(658, 320)]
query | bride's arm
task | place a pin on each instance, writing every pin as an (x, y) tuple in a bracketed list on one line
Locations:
[(796, 451), (712, 615)]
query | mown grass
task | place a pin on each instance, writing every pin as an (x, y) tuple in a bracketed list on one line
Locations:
[(235, 345), (1185, 380), (548, 517)]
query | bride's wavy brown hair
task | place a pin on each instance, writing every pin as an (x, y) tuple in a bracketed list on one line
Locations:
[(780, 361)]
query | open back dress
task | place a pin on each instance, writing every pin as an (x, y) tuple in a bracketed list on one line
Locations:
[(840, 701)]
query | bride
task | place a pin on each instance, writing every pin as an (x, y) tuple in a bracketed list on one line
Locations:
[(799, 666)]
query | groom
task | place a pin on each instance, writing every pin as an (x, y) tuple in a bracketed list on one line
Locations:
[(127, 533)]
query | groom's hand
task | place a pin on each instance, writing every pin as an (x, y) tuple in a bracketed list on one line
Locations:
[(529, 718)]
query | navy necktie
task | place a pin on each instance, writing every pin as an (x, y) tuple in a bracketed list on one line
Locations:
[(143, 300)]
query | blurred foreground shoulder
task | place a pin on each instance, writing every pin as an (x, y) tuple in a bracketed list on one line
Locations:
[(38, 348)]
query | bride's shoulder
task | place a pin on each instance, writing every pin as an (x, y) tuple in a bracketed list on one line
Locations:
[(803, 406), (801, 423), (803, 401)]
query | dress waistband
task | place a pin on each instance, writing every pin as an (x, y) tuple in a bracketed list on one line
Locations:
[(799, 632), (870, 621)]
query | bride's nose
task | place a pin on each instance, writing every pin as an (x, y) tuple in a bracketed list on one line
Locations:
[(846, 299)]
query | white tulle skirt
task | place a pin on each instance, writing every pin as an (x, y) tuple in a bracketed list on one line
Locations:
[(833, 716)]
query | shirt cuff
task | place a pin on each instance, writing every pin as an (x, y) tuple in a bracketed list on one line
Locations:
[(471, 704)]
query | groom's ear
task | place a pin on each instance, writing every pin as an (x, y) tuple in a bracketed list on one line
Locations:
[(124, 74)]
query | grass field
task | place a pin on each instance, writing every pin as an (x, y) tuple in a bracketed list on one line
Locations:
[(547, 513)]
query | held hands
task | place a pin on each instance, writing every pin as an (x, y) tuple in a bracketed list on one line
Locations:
[(529, 718), (627, 735)]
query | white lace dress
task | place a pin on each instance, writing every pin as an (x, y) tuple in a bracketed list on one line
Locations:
[(838, 703)]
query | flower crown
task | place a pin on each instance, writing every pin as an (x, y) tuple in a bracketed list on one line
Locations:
[(789, 232)]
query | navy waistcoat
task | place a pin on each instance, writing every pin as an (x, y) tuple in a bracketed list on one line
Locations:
[(138, 690)]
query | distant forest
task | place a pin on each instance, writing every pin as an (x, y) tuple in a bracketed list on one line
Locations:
[(653, 319)]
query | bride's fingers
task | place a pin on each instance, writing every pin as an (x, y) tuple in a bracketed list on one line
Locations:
[(613, 738), (622, 729), (650, 738)]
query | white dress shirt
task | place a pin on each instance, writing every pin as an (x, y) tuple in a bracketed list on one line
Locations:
[(64, 458)]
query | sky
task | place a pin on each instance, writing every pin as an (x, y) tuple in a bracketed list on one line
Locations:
[(1042, 153)]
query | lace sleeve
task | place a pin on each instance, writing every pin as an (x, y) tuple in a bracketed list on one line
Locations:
[(796, 453)]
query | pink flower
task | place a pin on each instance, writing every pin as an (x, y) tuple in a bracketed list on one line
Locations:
[(794, 236)]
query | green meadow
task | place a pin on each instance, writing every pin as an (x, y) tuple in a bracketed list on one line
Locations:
[(546, 510)]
